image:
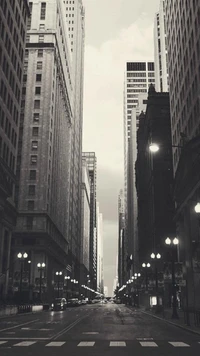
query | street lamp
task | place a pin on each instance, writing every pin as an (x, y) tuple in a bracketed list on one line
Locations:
[(146, 266), (21, 257), (156, 257), (59, 273), (153, 147), (66, 279), (197, 208), (41, 267), (173, 243)]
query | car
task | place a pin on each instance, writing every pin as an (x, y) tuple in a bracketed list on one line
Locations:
[(73, 302), (59, 304)]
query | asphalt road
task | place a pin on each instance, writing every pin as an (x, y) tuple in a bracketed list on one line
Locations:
[(96, 330)]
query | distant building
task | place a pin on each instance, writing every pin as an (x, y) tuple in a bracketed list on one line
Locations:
[(160, 50), (99, 250), (13, 19), (105, 291), (85, 224), (92, 167), (138, 77), (121, 226)]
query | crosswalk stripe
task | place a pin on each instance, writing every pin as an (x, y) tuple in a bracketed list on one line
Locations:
[(3, 342), (25, 343), (148, 344), (178, 344), (56, 343), (86, 343), (117, 343)]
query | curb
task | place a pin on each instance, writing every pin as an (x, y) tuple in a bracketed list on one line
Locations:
[(170, 322)]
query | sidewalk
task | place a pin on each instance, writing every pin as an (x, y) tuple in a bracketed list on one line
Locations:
[(166, 316)]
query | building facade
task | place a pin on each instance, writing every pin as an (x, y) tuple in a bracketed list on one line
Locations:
[(100, 278), (75, 22), (85, 224), (13, 18), (138, 77), (121, 226), (154, 177), (183, 41), (91, 160), (44, 154), (160, 50)]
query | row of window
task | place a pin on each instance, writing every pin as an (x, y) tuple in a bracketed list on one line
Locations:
[(7, 155)]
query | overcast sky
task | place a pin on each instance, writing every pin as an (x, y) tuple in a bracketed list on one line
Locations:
[(116, 31)]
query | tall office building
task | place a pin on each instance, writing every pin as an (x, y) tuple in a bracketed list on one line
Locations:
[(75, 21), (183, 37), (13, 17), (121, 255), (138, 77), (160, 50), (43, 165), (92, 167), (85, 224)]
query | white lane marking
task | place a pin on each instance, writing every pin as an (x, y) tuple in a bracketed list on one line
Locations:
[(3, 342), (17, 326), (25, 343), (91, 333), (117, 343), (29, 329), (144, 338), (148, 344), (25, 328), (179, 344), (56, 343), (86, 343)]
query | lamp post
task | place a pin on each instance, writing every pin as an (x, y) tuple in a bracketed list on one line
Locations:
[(59, 273), (29, 278), (66, 279), (21, 256), (146, 266), (156, 257), (172, 243), (41, 267)]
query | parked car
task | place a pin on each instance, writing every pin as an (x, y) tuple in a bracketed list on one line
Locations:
[(73, 302), (59, 304)]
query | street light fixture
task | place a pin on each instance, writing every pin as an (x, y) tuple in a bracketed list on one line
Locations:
[(173, 243), (146, 266), (197, 208), (21, 256), (41, 267), (153, 147)]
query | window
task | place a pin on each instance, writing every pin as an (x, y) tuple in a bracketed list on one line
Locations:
[(39, 65), (34, 145), (36, 117), (41, 38), (34, 160), (35, 131), (36, 104), (43, 11), (31, 204), (40, 53), (31, 189), (29, 222), (32, 174), (42, 27), (38, 77), (37, 90)]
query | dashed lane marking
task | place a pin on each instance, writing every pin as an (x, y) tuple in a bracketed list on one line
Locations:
[(90, 333), (25, 343), (3, 342), (86, 343), (117, 343), (56, 344), (148, 344), (178, 344)]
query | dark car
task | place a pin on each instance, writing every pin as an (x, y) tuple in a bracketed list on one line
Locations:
[(73, 302), (59, 304)]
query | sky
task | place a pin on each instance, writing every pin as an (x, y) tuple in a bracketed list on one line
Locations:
[(116, 31)]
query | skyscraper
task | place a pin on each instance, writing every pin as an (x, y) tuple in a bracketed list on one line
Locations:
[(160, 50), (13, 17), (43, 165), (75, 22), (92, 167), (183, 41), (138, 77), (99, 250), (121, 255)]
